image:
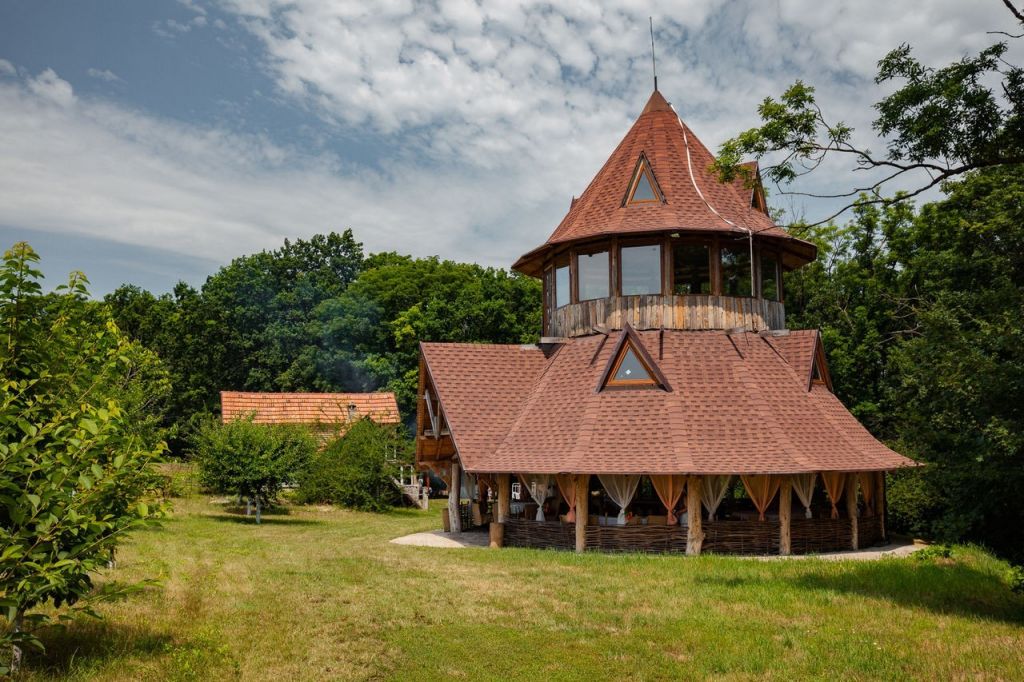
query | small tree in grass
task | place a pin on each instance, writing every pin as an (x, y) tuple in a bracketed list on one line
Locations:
[(358, 469), (252, 460), (75, 470)]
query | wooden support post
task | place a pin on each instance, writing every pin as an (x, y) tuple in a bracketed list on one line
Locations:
[(785, 514), (880, 502), (454, 494), (694, 530), (504, 497), (582, 510), (852, 482)]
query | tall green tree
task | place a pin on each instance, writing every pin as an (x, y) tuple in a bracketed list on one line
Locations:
[(372, 331), (76, 451), (958, 388), (921, 316)]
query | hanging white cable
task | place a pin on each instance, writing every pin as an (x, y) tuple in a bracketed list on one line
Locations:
[(693, 181)]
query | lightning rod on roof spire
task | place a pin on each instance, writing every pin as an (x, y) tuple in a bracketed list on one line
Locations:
[(654, 64)]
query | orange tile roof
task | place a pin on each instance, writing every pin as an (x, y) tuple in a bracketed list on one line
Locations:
[(737, 405), (695, 200), (308, 408)]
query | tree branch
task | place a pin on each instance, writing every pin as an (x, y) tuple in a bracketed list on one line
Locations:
[(1014, 11)]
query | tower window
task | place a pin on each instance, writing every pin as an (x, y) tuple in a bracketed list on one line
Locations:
[(562, 290), (641, 269), (592, 271), (691, 269), (735, 270), (769, 276)]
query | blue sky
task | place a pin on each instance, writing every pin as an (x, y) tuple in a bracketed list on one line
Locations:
[(151, 142)]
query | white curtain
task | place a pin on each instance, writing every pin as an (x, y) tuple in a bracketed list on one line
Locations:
[(621, 489), (537, 485), (713, 489), (803, 486)]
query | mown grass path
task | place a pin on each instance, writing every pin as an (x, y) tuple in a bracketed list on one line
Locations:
[(319, 593)]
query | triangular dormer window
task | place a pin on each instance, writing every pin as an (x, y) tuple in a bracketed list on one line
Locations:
[(630, 370), (819, 367), (643, 187), (631, 366)]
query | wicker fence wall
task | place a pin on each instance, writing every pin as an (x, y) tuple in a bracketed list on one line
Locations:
[(808, 536), (655, 538), (741, 537), (812, 536), (528, 533), (869, 531)]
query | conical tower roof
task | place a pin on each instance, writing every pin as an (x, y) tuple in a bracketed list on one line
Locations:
[(692, 199)]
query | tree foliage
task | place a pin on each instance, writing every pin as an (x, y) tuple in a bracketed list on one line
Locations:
[(358, 469), (76, 444), (921, 314), (252, 460), (317, 316), (937, 124)]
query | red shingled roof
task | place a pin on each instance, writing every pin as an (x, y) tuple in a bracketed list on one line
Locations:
[(737, 405), (484, 388), (308, 408), (694, 198)]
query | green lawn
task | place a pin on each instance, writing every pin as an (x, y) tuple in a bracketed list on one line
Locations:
[(321, 594)]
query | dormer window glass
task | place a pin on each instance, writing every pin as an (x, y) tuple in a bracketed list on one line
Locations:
[(644, 192), (643, 187), (641, 269), (592, 273), (631, 370), (631, 366)]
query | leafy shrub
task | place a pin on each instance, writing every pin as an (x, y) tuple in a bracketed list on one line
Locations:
[(357, 470), (1016, 579), (914, 504), (76, 453), (934, 552), (251, 460)]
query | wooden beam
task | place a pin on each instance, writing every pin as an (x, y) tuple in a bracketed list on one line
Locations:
[(504, 497), (852, 481), (785, 515), (454, 493), (582, 510), (694, 530)]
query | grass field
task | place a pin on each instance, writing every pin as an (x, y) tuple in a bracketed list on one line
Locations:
[(321, 594)]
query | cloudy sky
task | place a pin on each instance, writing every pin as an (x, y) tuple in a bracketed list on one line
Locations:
[(151, 142)]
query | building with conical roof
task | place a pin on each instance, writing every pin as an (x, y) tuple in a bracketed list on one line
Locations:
[(667, 407)]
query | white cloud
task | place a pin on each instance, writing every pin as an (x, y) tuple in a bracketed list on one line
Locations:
[(48, 85), (7, 69), (504, 87), (103, 75), (100, 170), (496, 114)]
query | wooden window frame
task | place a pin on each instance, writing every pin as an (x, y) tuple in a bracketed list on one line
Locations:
[(618, 263), (761, 254), (643, 167), (575, 281), (755, 275), (559, 261), (712, 251), (630, 383)]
